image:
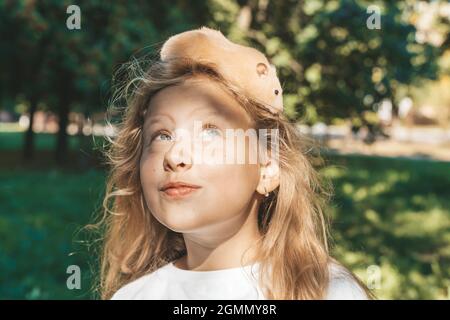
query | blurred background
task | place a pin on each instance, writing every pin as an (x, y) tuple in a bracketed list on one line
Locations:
[(368, 80)]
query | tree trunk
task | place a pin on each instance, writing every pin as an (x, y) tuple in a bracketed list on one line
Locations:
[(28, 149), (85, 152), (61, 142)]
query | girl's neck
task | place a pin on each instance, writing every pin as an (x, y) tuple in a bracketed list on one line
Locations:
[(229, 245)]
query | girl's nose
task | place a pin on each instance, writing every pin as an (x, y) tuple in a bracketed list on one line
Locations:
[(179, 156)]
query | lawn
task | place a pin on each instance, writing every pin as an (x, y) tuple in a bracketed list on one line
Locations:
[(13, 141), (40, 214), (390, 218), (393, 215)]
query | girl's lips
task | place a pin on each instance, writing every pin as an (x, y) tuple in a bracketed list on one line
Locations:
[(179, 192)]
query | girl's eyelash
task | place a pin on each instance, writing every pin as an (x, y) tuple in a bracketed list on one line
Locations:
[(205, 126), (213, 126), (209, 126), (157, 133)]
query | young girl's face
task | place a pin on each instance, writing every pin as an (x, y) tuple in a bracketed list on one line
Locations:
[(177, 115)]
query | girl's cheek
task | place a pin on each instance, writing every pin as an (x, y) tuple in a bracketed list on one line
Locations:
[(151, 160), (153, 153)]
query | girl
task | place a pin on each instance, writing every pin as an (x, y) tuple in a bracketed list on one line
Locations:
[(181, 222)]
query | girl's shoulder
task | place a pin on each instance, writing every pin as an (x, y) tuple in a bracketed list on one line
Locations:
[(138, 289), (343, 286)]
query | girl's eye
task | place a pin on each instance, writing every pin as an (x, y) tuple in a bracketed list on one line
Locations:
[(209, 131), (164, 136)]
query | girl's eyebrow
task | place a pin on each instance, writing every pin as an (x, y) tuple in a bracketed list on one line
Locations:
[(220, 117), (212, 113), (157, 118), (207, 112)]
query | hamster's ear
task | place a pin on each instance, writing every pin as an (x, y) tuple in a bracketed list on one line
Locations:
[(262, 69)]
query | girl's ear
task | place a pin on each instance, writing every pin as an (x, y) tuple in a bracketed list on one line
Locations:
[(269, 178)]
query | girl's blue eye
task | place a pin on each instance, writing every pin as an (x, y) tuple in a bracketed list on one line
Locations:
[(161, 134), (210, 131)]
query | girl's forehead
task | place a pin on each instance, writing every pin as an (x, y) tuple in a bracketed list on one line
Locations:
[(196, 96), (198, 91)]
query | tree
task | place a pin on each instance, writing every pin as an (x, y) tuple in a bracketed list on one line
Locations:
[(331, 64), (46, 63)]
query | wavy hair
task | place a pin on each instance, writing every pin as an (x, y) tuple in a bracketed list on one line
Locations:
[(293, 248)]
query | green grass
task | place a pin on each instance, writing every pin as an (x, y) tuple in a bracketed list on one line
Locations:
[(391, 213), (11, 141), (394, 214), (40, 214), (82, 150)]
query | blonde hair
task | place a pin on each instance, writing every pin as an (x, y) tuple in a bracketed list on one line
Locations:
[(293, 249)]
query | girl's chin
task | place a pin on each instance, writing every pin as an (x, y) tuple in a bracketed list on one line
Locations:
[(179, 223)]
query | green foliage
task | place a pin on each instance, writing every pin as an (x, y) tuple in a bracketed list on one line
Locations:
[(328, 59), (69, 70), (331, 64), (39, 46)]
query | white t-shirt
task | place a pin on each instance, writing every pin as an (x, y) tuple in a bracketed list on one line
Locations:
[(172, 283)]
